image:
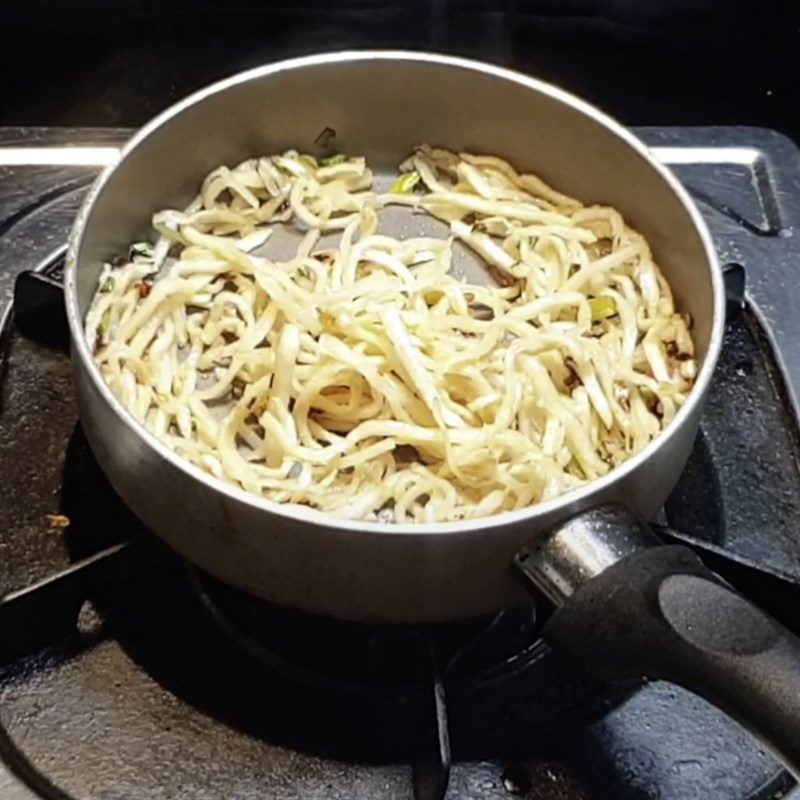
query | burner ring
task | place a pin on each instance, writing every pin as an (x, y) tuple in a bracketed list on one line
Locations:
[(465, 655)]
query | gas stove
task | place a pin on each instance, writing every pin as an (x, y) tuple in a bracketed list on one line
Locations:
[(125, 673)]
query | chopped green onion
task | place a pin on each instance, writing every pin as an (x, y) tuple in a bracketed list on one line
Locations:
[(602, 308), (336, 158), (405, 183), (108, 285), (105, 322), (141, 249)]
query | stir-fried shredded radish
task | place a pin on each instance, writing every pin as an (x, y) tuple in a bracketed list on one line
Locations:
[(365, 379)]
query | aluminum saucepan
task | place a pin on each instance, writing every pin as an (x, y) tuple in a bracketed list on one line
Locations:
[(627, 609)]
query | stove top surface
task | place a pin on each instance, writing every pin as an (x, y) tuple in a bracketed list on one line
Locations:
[(174, 686)]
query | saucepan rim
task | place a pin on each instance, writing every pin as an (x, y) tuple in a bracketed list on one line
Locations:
[(579, 497)]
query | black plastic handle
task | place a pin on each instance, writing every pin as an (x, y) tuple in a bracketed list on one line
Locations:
[(660, 614)]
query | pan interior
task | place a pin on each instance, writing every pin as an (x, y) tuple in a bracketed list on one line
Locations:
[(399, 222)]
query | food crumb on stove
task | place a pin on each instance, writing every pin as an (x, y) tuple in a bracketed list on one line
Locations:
[(58, 521)]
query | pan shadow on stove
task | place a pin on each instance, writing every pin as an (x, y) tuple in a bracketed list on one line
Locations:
[(345, 690), (741, 486), (694, 504)]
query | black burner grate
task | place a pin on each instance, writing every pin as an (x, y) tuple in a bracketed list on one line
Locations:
[(174, 685), (354, 692)]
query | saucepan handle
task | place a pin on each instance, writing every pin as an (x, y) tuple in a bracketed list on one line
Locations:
[(628, 607)]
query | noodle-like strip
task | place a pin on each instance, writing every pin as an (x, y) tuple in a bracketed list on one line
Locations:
[(368, 381)]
